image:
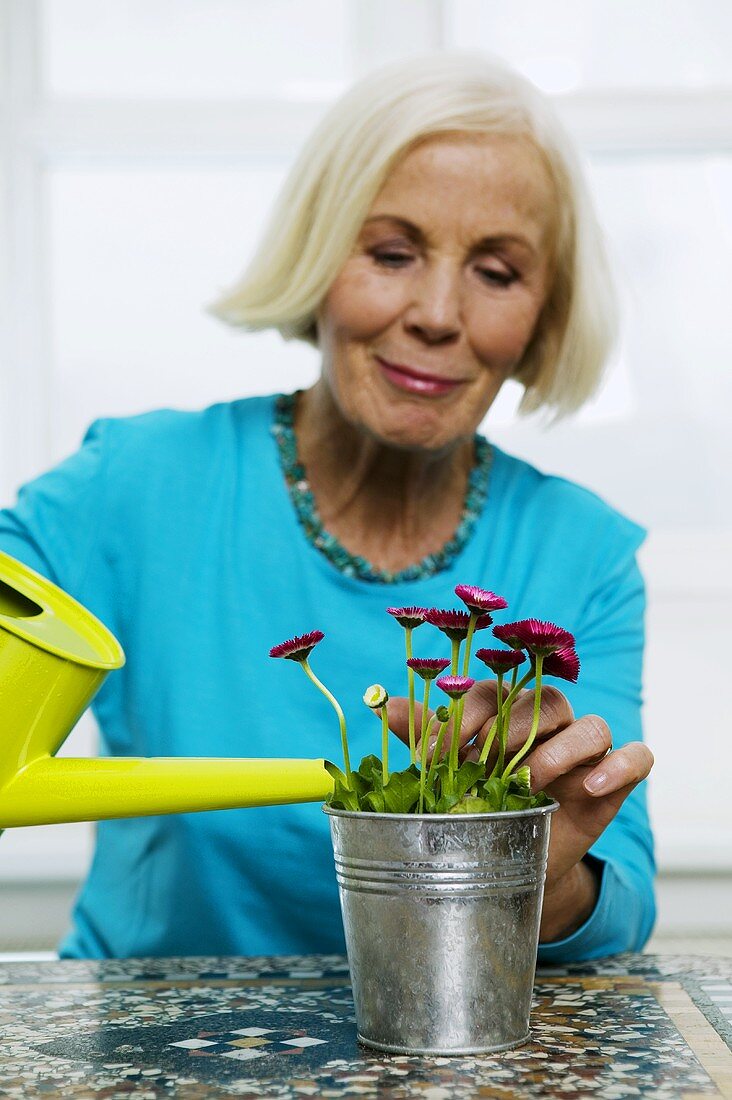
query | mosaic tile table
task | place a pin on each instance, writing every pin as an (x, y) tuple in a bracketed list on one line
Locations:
[(632, 1025)]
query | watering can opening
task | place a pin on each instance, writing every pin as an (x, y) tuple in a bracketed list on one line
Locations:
[(38, 612), (15, 604)]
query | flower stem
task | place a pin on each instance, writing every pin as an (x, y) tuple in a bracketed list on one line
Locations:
[(469, 641), (507, 704), (341, 717), (455, 656), (384, 746), (455, 741), (534, 725), (438, 746), (410, 683), (501, 724), (425, 708), (423, 761)]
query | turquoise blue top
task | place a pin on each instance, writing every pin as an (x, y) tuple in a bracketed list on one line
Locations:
[(177, 530)]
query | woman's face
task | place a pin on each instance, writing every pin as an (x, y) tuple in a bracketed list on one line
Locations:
[(439, 298)]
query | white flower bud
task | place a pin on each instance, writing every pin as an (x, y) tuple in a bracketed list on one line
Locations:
[(375, 696)]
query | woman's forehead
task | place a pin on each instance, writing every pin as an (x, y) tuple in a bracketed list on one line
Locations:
[(487, 185)]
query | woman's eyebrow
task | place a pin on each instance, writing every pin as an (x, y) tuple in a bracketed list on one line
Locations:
[(484, 243)]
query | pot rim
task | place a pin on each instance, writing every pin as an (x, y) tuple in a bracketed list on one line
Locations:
[(498, 814)]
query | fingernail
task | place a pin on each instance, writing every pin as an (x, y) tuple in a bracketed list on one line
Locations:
[(596, 782), (431, 745)]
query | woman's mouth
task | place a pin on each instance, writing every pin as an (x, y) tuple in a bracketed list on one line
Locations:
[(417, 381)]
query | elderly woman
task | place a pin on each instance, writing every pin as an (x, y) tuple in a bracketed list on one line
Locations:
[(433, 239)]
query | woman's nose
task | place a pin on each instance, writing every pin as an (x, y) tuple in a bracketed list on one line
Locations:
[(434, 312)]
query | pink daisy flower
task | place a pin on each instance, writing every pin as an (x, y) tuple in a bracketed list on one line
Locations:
[(298, 648), (455, 686), (500, 660), (454, 623), (564, 663), (540, 638), (479, 599), (427, 668), (408, 617)]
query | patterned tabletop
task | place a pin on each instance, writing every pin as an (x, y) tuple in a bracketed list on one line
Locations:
[(650, 1026)]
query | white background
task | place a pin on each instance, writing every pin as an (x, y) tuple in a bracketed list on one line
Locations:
[(141, 145)]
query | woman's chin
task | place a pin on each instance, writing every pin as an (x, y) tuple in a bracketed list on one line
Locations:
[(413, 430)]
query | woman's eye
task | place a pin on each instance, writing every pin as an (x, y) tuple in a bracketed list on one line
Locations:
[(498, 278), (391, 259)]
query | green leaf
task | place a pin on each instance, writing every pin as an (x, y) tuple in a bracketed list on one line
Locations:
[(493, 792), (467, 776), (541, 798), (374, 801), (334, 770), (430, 802), (446, 802), (441, 782), (518, 801), (401, 792), (342, 797), (371, 772), (472, 805)]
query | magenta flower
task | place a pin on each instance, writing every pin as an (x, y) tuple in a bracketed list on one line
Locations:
[(479, 599), (409, 617), (564, 663), (428, 668), (540, 638), (501, 661), (298, 648), (454, 623), (455, 686)]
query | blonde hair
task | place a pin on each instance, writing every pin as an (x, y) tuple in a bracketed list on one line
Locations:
[(342, 167)]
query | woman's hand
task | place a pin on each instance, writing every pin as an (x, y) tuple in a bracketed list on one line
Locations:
[(572, 760)]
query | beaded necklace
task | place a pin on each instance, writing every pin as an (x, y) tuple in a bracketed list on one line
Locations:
[(353, 565)]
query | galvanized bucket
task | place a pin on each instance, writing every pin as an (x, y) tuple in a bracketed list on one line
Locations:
[(441, 915)]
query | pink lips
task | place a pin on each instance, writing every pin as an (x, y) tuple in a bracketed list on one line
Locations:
[(413, 381)]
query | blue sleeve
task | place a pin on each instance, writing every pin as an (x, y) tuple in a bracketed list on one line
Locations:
[(55, 522), (610, 641)]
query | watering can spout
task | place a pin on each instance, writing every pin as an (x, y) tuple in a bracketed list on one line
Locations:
[(54, 656), (53, 790)]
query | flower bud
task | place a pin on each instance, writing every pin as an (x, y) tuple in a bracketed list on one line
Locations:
[(442, 714), (521, 779), (375, 696)]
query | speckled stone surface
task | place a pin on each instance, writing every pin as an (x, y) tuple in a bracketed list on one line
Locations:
[(629, 1026)]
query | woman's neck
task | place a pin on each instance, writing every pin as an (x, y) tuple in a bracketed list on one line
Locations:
[(390, 506)]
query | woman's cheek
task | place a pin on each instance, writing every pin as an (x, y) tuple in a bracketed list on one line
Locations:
[(500, 339), (360, 304)]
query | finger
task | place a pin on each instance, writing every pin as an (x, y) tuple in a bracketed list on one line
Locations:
[(584, 742), (555, 714), (479, 708), (397, 712), (630, 764)]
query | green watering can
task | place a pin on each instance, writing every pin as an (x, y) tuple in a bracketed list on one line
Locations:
[(54, 656)]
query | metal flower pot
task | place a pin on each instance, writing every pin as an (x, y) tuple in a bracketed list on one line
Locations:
[(441, 916)]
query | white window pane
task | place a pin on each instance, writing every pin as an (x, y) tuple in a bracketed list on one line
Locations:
[(602, 43), (193, 49), (135, 255), (657, 441)]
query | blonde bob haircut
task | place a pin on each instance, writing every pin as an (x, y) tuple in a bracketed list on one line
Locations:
[(335, 179)]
